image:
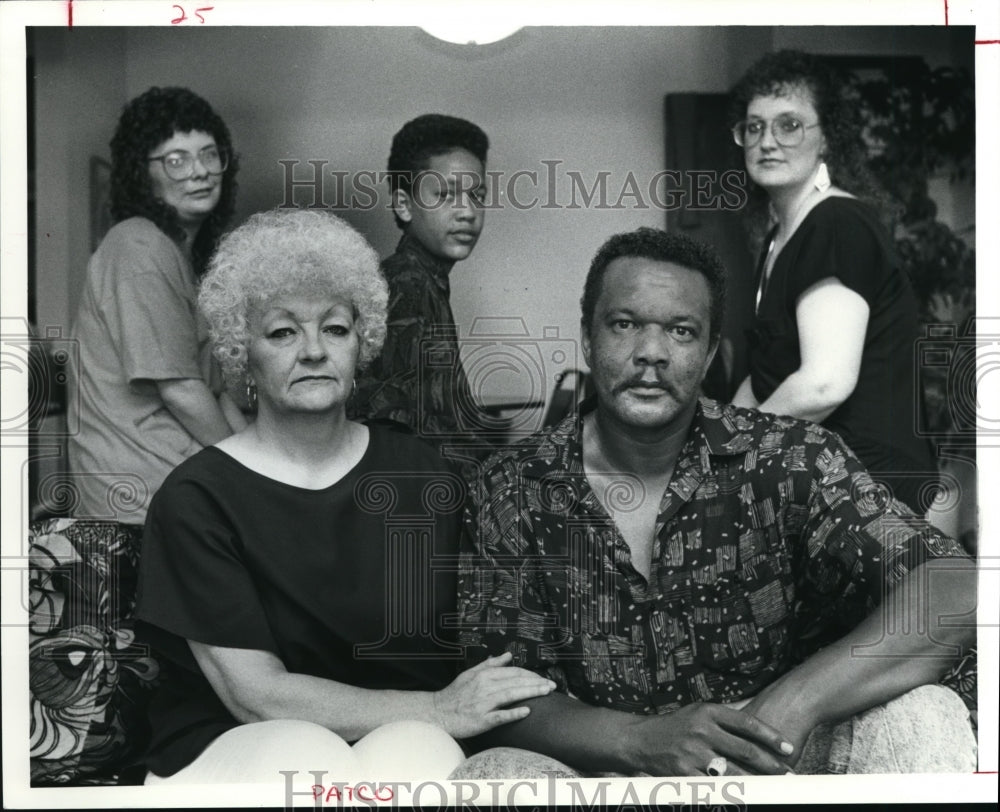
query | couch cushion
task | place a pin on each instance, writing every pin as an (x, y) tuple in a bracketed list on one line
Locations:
[(90, 680)]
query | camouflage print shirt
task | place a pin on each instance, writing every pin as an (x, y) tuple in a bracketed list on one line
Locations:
[(771, 541), (418, 379)]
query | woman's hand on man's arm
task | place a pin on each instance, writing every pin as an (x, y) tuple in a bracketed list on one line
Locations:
[(255, 686), (478, 699)]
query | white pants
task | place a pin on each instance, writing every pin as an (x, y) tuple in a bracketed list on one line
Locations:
[(257, 752)]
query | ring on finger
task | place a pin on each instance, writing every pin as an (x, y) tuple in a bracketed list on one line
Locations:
[(717, 766)]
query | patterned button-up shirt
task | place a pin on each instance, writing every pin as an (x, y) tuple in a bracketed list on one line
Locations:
[(418, 379), (771, 540)]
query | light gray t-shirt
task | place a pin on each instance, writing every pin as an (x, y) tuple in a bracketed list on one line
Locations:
[(137, 323)]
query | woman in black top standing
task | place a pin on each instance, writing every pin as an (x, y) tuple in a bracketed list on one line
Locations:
[(836, 317)]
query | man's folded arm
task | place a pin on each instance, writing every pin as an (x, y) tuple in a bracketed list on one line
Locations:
[(920, 629), (919, 587), (906, 642), (681, 742)]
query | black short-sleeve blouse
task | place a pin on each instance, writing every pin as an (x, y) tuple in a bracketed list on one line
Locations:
[(352, 582), (842, 238)]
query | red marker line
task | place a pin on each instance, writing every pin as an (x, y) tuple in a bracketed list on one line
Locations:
[(69, 12), (974, 42)]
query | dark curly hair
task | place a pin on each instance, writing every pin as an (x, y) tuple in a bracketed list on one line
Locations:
[(774, 74), (652, 243), (425, 137), (147, 121)]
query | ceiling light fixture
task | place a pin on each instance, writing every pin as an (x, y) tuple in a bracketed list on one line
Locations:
[(479, 32)]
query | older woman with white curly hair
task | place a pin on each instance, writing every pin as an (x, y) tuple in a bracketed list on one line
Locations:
[(296, 576)]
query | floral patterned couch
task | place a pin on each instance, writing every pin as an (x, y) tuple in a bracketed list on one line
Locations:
[(91, 681)]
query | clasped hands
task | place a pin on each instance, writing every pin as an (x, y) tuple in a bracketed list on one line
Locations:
[(690, 740)]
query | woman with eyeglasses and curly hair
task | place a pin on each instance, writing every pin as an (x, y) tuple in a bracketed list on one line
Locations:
[(147, 393), (836, 317)]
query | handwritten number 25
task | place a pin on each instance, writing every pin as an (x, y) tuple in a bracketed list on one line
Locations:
[(183, 17)]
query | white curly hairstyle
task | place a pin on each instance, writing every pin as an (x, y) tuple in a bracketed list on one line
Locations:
[(298, 251)]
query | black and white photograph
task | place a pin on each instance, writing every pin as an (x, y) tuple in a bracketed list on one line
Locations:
[(499, 405)]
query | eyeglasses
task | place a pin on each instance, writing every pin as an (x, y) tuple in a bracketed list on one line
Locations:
[(179, 165), (787, 130)]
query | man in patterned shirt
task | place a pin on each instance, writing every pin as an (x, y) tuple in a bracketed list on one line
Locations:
[(436, 179), (706, 584)]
